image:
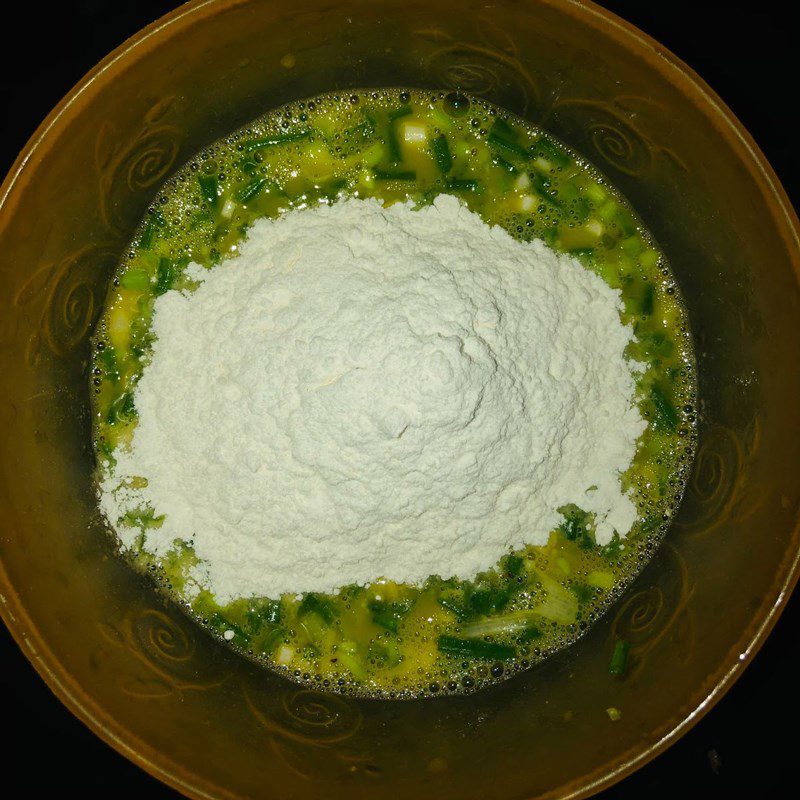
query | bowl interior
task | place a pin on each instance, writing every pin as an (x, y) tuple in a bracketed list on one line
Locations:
[(170, 697)]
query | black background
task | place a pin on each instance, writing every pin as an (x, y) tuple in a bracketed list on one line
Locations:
[(743, 748)]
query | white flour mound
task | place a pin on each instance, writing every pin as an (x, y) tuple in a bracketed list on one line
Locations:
[(369, 392)]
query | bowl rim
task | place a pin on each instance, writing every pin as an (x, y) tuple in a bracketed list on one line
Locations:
[(110, 730)]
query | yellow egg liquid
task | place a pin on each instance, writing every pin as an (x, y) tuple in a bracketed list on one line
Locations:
[(388, 639)]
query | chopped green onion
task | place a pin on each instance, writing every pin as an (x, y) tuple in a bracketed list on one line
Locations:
[(511, 147), (276, 139), (148, 234), (209, 186), (619, 659), (441, 154), (363, 130), (502, 129), (552, 152), (331, 190), (251, 190), (399, 113), (499, 161), (488, 600), (577, 526), (248, 165), (135, 279), (394, 175), (513, 565), (505, 624), (476, 649), (503, 136), (108, 358), (143, 518), (665, 417), (530, 633), (648, 299), (121, 409), (314, 604), (165, 276), (541, 186), (349, 657), (613, 550), (657, 344), (453, 605), (387, 615), (155, 222)]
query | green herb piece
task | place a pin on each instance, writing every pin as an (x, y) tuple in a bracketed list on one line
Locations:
[(276, 139), (476, 649), (122, 409), (248, 165), (453, 600), (441, 154), (314, 604), (385, 653), (502, 129), (583, 592), (507, 166), (647, 301), (486, 600), (388, 615), (665, 417), (552, 152), (541, 185), (503, 137), (268, 614), (364, 130), (530, 634), (251, 190), (165, 276), (394, 175), (619, 659), (331, 190), (399, 113), (107, 358), (576, 526), (613, 550), (143, 518), (137, 279), (209, 188), (513, 565)]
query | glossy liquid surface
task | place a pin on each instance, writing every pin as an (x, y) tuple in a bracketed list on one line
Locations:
[(386, 638)]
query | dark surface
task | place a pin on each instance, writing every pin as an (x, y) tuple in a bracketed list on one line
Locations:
[(746, 51)]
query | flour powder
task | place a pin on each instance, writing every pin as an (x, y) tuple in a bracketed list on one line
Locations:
[(369, 392)]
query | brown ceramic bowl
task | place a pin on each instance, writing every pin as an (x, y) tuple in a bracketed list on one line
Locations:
[(213, 725)]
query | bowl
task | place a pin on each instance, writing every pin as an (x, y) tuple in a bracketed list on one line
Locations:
[(213, 725)]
